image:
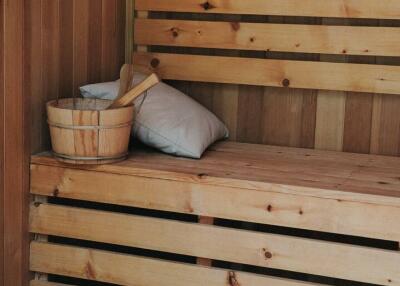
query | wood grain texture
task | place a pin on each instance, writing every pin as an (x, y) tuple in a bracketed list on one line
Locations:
[(378, 9), (225, 244), (328, 39), (269, 190), (346, 121), (15, 148), (71, 43), (276, 73), (132, 270), (2, 133)]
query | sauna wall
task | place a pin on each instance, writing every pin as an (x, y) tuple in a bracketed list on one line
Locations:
[(327, 120), (14, 148), (73, 42), (69, 43)]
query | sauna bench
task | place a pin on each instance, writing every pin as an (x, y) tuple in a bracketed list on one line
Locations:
[(270, 169), (340, 193)]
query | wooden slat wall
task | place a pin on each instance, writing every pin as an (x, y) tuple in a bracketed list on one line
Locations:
[(328, 120), (70, 43), (251, 248), (112, 267), (388, 9)]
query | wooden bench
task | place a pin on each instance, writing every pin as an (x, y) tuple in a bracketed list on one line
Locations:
[(342, 193), (244, 215)]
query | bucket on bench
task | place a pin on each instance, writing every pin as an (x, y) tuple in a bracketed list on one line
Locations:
[(84, 132)]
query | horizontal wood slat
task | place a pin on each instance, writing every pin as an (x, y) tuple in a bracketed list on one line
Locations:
[(233, 245), (379, 9), (279, 73), (269, 37), (131, 270), (268, 206)]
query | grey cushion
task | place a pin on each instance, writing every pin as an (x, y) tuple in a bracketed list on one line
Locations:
[(167, 119)]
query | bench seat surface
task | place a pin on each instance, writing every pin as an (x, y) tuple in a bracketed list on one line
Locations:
[(271, 168)]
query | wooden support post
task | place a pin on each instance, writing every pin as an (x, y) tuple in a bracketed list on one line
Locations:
[(129, 31)]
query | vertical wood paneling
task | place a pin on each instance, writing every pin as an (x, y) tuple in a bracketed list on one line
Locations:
[(358, 112), (66, 46), (34, 54), (249, 116), (358, 123), (14, 147), (286, 112), (330, 120), (109, 43), (81, 43), (2, 119), (331, 106), (386, 125), (95, 40), (385, 131), (70, 43)]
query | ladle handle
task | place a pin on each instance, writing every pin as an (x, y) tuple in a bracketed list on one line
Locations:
[(129, 97), (126, 79)]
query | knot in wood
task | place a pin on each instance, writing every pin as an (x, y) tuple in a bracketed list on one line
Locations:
[(175, 32), (207, 6), (155, 63), (232, 280), (235, 26), (268, 255), (285, 82), (37, 204)]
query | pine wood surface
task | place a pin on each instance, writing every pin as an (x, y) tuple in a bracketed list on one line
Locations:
[(132, 270), (240, 246), (378, 9)]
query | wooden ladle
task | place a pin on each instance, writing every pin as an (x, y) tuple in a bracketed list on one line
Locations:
[(126, 80), (131, 95)]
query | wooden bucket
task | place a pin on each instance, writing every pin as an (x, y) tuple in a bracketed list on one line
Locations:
[(83, 132)]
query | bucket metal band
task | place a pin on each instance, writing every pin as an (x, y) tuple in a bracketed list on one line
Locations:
[(81, 158), (89, 127)]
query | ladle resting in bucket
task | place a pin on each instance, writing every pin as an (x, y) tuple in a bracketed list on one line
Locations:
[(131, 95)]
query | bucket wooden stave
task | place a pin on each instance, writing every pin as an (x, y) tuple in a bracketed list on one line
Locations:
[(84, 132)]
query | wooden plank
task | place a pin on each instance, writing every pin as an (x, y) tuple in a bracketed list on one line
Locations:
[(265, 72), (66, 82), (358, 118), (2, 147), (386, 9), (15, 146), (330, 115), (354, 40), (129, 30), (81, 42), (95, 38), (323, 174), (245, 247), (267, 207), (133, 270), (33, 53), (385, 131)]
